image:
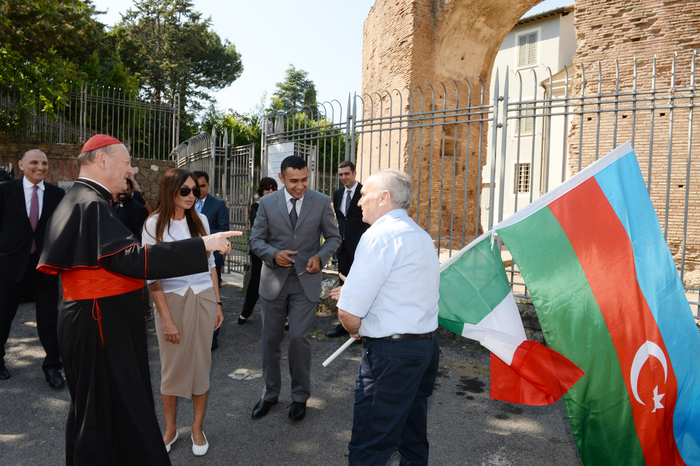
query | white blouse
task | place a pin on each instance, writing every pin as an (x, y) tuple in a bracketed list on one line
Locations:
[(178, 230)]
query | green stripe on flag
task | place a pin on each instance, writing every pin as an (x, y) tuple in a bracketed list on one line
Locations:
[(572, 323), (466, 296)]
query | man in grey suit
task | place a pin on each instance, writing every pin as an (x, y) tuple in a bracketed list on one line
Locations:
[(287, 237)]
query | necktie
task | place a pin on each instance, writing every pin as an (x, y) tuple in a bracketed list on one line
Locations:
[(348, 198), (293, 213), (198, 206), (34, 214)]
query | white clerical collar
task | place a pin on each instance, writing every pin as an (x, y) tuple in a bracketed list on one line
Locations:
[(28, 184), (98, 184)]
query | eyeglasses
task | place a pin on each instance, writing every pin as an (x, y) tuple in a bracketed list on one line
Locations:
[(269, 188), (185, 191)]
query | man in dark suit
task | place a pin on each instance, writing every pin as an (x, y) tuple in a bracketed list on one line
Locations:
[(350, 224), (132, 213), (286, 235), (25, 207), (217, 213)]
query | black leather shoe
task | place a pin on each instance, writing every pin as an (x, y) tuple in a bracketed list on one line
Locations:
[(214, 344), (298, 411), (339, 331), (242, 320), (55, 379), (4, 373), (262, 408)]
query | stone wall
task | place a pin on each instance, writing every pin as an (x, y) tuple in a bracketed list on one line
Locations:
[(63, 165), (620, 29)]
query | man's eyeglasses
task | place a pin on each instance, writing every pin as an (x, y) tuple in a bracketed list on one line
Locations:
[(269, 188), (185, 191)]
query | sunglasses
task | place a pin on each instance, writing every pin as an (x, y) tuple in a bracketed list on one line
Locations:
[(185, 191), (269, 188)]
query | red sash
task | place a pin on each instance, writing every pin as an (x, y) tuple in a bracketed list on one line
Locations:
[(88, 283)]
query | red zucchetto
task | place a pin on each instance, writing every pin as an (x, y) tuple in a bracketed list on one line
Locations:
[(98, 142)]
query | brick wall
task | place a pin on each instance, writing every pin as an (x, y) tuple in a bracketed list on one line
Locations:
[(619, 29), (63, 165), (410, 43)]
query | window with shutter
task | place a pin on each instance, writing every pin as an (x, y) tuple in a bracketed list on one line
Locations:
[(521, 183), (527, 49), (524, 126)]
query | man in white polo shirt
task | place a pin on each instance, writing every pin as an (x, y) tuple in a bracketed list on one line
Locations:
[(390, 300)]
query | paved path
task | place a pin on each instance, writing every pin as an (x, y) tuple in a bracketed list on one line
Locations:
[(466, 427)]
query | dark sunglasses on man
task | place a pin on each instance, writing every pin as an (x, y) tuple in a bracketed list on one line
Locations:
[(185, 191)]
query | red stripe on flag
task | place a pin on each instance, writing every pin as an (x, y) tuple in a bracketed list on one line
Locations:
[(537, 375), (604, 250)]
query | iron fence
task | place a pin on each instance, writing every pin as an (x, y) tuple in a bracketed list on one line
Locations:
[(148, 129), (479, 151)]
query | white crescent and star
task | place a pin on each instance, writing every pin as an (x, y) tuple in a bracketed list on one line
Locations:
[(644, 352)]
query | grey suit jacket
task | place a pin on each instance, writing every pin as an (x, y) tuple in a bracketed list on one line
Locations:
[(272, 230)]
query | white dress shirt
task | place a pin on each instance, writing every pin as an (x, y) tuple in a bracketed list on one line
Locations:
[(29, 190), (287, 197), (393, 284), (178, 230), (345, 197)]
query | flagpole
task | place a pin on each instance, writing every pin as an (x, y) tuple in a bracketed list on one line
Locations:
[(339, 350)]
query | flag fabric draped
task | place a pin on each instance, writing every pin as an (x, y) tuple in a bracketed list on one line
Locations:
[(609, 298), (476, 302)]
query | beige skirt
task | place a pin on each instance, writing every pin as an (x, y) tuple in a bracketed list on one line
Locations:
[(185, 367)]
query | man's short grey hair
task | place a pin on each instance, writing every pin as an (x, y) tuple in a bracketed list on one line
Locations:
[(397, 183), (87, 158), (32, 150)]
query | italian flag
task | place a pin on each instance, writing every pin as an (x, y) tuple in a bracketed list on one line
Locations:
[(609, 298), (476, 302)]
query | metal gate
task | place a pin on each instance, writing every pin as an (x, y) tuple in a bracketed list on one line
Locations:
[(231, 173), (476, 159)]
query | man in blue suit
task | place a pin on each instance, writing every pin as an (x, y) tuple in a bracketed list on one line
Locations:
[(217, 213)]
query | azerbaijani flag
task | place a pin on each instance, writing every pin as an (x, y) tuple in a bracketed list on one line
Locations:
[(476, 302), (609, 298)]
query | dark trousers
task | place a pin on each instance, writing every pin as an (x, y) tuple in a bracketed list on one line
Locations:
[(345, 260), (391, 401), (253, 292), (43, 289)]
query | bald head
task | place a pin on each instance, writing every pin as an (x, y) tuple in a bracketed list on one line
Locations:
[(35, 165)]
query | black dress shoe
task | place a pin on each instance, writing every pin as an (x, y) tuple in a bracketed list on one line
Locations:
[(214, 344), (339, 331), (298, 410), (242, 320), (262, 408), (55, 379), (4, 374)]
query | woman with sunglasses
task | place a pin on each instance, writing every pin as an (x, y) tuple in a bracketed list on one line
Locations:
[(189, 308), (266, 186)]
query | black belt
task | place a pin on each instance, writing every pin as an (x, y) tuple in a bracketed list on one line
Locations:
[(401, 336)]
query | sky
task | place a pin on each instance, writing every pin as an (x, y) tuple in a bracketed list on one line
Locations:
[(322, 37)]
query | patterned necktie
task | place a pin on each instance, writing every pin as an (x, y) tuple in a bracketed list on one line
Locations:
[(348, 198), (198, 206), (293, 213), (34, 214)]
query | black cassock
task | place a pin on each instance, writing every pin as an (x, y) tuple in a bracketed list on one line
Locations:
[(112, 417)]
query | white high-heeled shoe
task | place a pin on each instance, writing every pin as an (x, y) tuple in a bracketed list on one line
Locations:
[(200, 450), (167, 447)]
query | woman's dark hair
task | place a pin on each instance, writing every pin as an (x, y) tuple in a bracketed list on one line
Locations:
[(170, 186), (266, 182)]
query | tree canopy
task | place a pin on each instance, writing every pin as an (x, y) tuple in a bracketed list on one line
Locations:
[(173, 50), (295, 92)]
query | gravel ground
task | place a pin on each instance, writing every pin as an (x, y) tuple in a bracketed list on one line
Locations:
[(465, 426)]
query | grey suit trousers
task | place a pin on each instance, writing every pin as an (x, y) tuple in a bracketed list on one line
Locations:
[(302, 313)]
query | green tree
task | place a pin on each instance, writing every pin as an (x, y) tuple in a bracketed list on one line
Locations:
[(295, 92), (174, 51), (45, 44), (245, 127)]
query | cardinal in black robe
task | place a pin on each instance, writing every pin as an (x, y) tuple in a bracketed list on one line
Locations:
[(101, 331)]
